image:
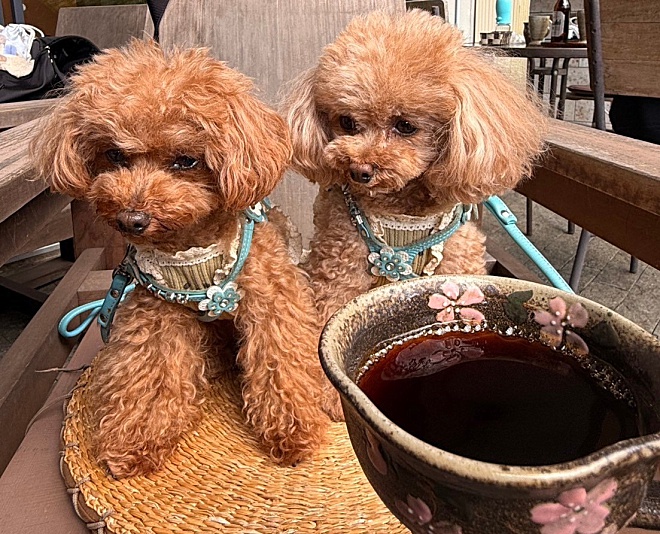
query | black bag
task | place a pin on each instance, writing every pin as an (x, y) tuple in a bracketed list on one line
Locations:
[(54, 59)]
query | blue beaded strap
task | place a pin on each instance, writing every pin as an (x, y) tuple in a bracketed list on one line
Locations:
[(395, 263), (213, 301)]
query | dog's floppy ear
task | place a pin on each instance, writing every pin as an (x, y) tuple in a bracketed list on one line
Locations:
[(308, 132), (59, 150), (249, 154), (493, 137)]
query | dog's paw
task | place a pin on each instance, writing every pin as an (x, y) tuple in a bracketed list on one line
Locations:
[(131, 466)]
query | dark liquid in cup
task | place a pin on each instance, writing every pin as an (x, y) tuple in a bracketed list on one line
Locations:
[(497, 399)]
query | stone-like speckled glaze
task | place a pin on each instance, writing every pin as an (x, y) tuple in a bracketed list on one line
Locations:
[(433, 491)]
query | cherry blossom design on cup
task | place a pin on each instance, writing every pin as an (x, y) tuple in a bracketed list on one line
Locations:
[(576, 511), (556, 322), (374, 453), (452, 304), (417, 511)]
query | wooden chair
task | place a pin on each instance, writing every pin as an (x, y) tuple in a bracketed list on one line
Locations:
[(621, 62), (31, 216)]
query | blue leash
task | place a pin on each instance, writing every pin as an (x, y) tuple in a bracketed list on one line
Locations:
[(93, 307), (508, 221)]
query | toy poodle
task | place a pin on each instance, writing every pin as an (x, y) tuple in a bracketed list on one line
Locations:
[(405, 130), (175, 153)]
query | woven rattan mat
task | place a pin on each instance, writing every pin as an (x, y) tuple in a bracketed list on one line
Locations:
[(220, 481)]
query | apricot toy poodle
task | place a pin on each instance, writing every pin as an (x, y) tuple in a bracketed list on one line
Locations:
[(175, 153), (404, 130)]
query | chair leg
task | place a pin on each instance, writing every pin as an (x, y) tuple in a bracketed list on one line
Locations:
[(571, 228), (530, 216), (634, 264), (578, 263)]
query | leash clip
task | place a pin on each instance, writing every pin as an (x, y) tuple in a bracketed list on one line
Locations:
[(121, 278)]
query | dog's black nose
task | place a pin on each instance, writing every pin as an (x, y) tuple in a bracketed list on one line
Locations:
[(133, 222), (361, 172)]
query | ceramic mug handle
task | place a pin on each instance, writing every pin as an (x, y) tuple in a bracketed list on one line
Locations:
[(648, 515)]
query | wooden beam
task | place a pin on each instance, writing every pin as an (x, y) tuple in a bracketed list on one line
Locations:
[(95, 285), (57, 230), (17, 181), (507, 265), (28, 223), (22, 390), (605, 183), (16, 296), (16, 113), (32, 493), (90, 232)]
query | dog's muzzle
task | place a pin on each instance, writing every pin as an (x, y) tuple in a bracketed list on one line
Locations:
[(361, 172), (133, 222)]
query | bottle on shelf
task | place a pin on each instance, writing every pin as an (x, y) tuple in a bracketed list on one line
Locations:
[(561, 20)]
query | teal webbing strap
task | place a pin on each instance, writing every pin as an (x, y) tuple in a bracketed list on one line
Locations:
[(508, 221)]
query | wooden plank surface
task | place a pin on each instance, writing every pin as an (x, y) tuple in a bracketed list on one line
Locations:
[(22, 390), (33, 497), (272, 42), (89, 232), (627, 11), (58, 229), (15, 113), (631, 56), (606, 183), (17, 182), (27, 224), (106, 26)]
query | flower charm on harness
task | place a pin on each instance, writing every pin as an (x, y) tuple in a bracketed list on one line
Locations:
[(221, 300), (391, 264)]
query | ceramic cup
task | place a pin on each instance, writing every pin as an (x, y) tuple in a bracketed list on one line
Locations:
[(434, 491), (539, 28)]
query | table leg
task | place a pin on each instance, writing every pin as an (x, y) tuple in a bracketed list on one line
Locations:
[(561, 104), (552, 97)]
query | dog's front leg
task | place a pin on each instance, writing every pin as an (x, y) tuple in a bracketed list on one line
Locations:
[(464, 252), (284, 388), (147, 384), (337, 264)]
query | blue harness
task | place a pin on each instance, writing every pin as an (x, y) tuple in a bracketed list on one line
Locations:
[(212, 302), (395, 263)]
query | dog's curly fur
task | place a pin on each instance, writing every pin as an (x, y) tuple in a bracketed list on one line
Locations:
[(475, 136), (113, 141)]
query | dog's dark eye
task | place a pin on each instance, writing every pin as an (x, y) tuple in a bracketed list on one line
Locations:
[(184, 163), (347, 124), (116, 157), (403, 127)]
